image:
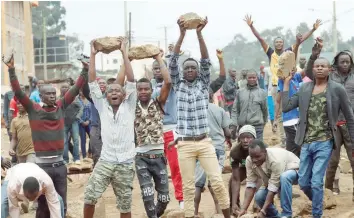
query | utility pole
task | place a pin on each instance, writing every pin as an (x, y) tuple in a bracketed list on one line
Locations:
[(165, 28), (125, 18), (130, 30), (44, 48), (334, 29)]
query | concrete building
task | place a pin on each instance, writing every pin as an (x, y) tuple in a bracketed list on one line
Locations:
[(16, 33)]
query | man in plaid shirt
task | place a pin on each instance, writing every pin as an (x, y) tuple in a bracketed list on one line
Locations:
[(193, 143)]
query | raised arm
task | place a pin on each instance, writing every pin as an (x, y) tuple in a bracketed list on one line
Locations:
[(121, 75), (173, 65), (203, 48), (316, 51), (128, 67), (216, 84), (92, 68), (166, 87), (70, 95), (15, 85), (249, 22), (306, 35)]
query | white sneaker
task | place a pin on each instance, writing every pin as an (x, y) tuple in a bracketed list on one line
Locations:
[(78, 162), (181, 205)]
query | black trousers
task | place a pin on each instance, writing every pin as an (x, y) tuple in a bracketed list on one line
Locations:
[(58, 173), (290, 132)]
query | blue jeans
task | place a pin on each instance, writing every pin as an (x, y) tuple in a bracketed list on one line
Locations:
[(5, 202), (74, 130), (287, 180), (270, 107), (83, 131), (200, 176), (314, 158)]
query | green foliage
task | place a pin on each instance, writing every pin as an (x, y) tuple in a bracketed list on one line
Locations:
[(54, 14), (241, 53)]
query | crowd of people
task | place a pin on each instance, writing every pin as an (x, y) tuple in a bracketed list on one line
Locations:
[(141, 126)]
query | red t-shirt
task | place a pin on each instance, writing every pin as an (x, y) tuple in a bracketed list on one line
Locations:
[(13, 107)]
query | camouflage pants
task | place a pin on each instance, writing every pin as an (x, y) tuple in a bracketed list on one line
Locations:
[(148, 169), (120, 176)]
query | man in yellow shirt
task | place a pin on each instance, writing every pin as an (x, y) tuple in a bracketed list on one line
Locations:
[(274, 53)]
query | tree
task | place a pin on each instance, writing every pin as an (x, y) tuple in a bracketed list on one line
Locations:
[(54, 14), (241, 53), (306, 47)]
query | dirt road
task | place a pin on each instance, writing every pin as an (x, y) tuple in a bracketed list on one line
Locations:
[(106, 207)]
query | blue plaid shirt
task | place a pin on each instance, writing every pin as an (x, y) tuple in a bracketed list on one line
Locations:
[(192, 99), (86, 114)]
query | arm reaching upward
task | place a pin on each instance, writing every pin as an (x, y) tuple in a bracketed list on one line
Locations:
[(203, 48), (249, 21), (128, 67), (166, 87), (216, 84), (92, 68), (15, 85)]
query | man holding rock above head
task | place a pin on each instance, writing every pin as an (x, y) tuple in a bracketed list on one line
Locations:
[(117, 114), (193, 143)]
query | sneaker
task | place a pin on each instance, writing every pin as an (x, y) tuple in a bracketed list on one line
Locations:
[(181, 205), (77, 162)]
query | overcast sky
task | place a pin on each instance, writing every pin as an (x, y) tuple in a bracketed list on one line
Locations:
[(92, 19)]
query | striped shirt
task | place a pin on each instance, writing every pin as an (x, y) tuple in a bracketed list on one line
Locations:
[(117, 131), (47, 123), (192, 99)]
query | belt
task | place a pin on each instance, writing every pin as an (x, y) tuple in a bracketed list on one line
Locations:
[(54, 165), (193, 138), (274, 85), (150, 156)]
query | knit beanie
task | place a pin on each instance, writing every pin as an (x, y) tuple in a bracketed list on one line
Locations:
[(248, 129)]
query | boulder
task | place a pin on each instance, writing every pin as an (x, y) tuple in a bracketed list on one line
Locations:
[(143, 51), (177, 213), (304, 205), (286, 64), (107, 44), (191, 20)]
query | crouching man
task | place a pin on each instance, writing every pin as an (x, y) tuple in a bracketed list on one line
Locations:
[(278, 169), (27, 181)]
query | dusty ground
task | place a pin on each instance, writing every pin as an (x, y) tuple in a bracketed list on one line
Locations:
[(107, 209)]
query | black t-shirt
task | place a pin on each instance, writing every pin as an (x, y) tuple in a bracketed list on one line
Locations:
[(238, 156)]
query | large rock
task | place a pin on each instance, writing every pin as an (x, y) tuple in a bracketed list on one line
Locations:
[(143, 51), (191, 20), (286, 64), (304, 205), (107, 44), (177, 213)]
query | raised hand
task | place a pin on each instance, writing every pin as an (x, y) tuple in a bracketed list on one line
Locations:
[(202, 24), (124, 42), (219, 54), (160, 55), (248, 20), (10, 63), (298, 38), (93, 50), (181, 24), (317, 24), (316, 49)]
